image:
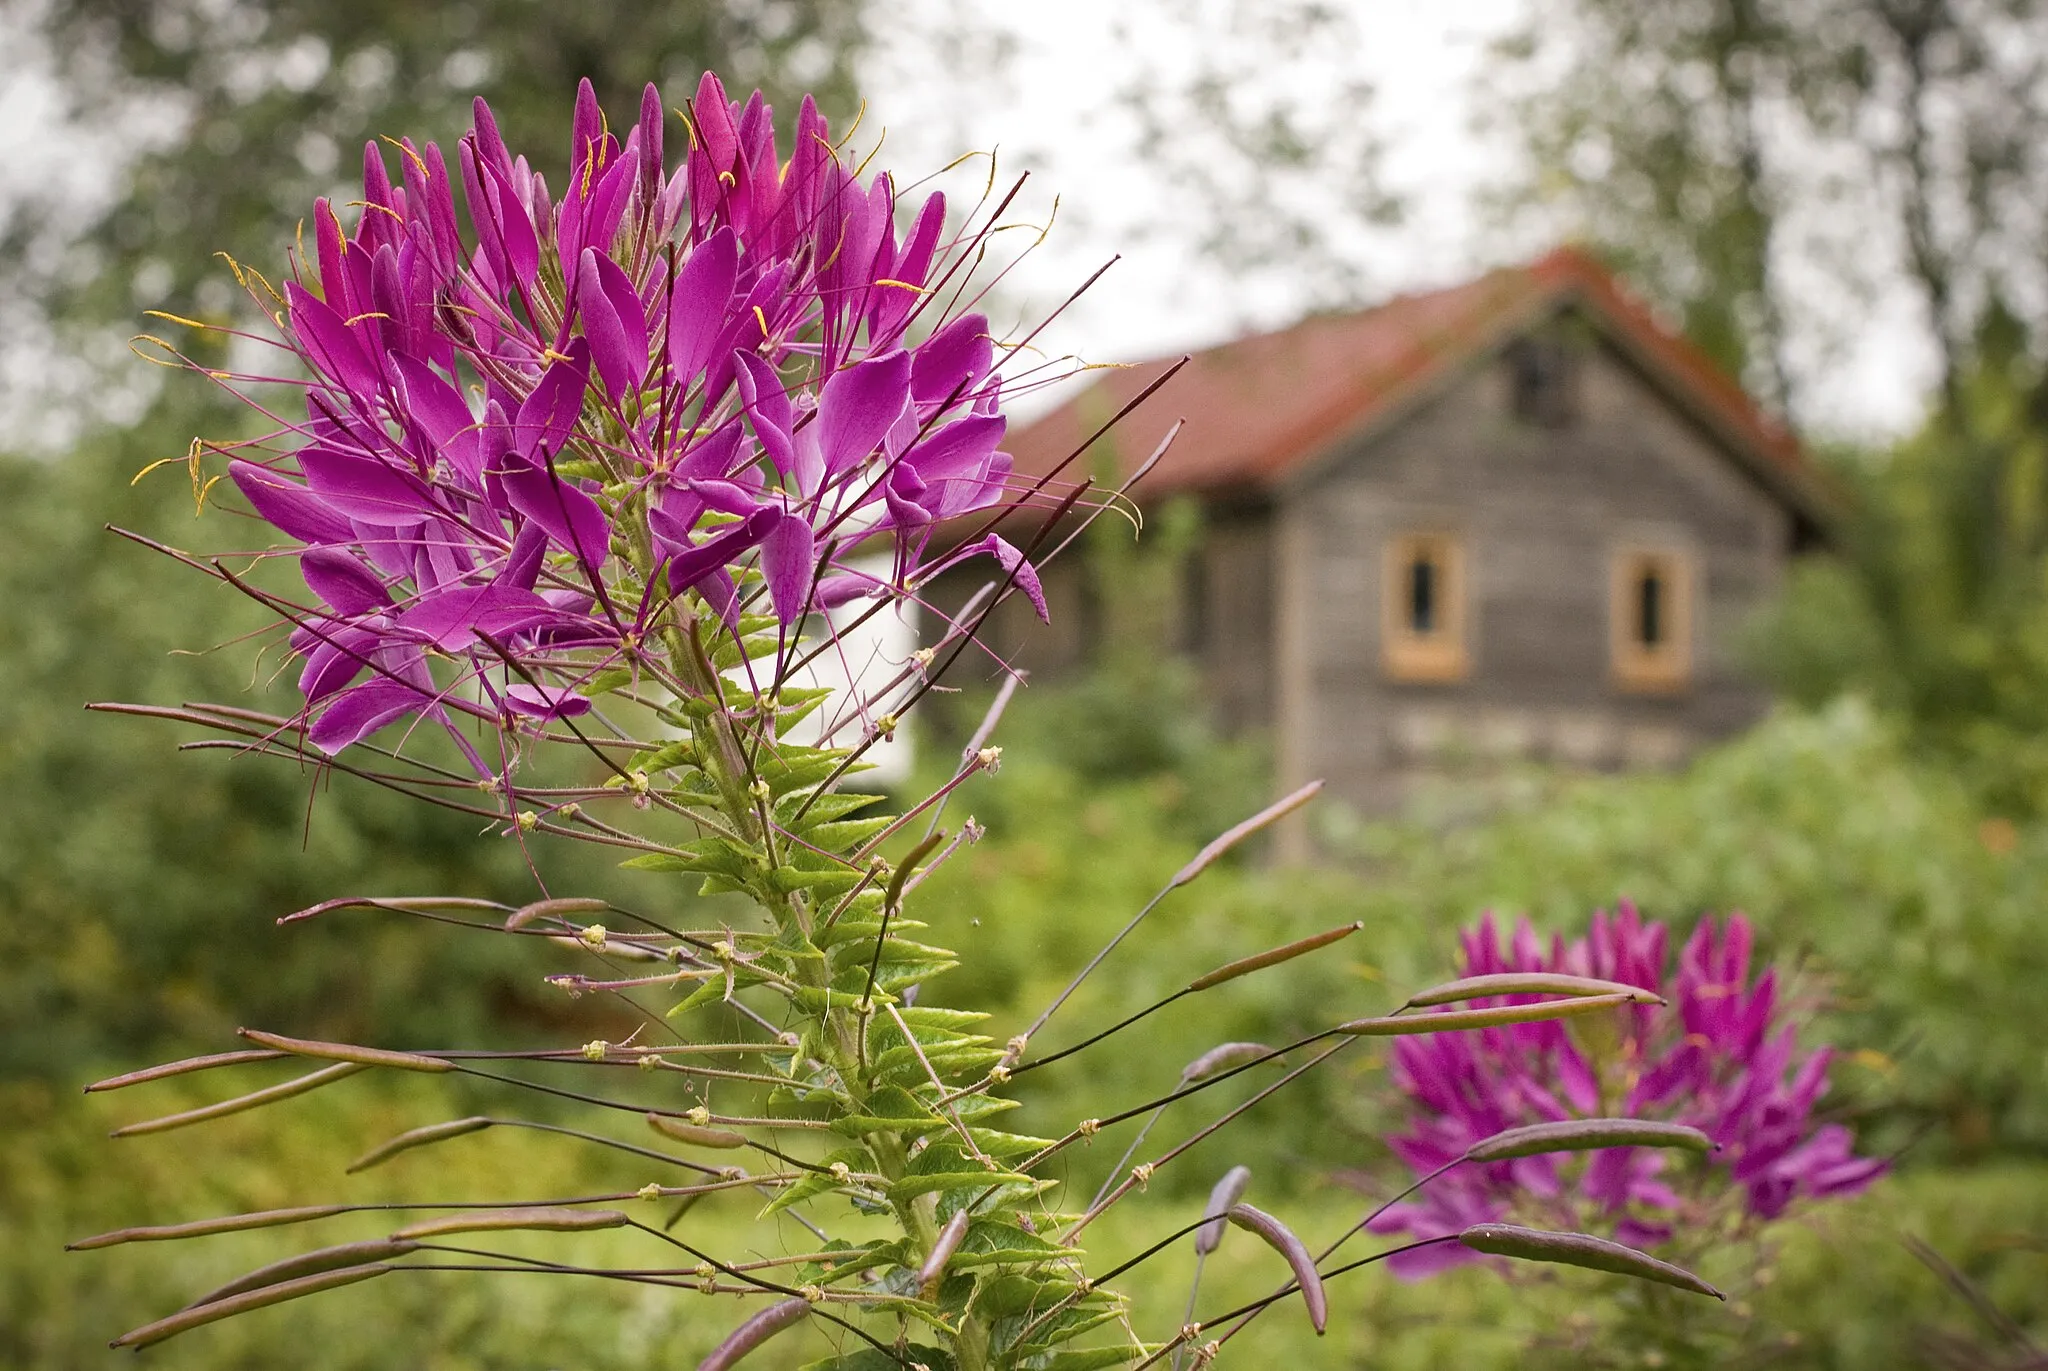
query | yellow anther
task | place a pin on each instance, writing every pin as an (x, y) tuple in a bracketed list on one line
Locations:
[(527, 821), (1088, 1128), (651, 1062), (593, 936), (989, 759), (596, 1049), (699, 1116), (651, 1190)]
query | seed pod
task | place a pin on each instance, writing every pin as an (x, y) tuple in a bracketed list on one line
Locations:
[(547, 1218), (1221, 1058), (206, 1228), (943, 1248), (1584, 1135), (255, 1099), (1526, 983), (206, 1063), (683, 1131), (1282, 1240), (346, 1052), (309, 1264), (1221, 844), (1398, 1025), (543, 909), (1580, 1249), (199, 1315), (1224, 1194), (1259, 961), (755, 1331), (418, 1137)]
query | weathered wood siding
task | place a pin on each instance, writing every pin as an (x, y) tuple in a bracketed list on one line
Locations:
[(1540, 511)]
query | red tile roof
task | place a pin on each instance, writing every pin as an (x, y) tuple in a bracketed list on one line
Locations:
[(1263, 407)]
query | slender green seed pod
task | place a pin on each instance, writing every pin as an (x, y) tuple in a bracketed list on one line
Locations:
[(255, 1099), (1221, 1058), (546, 1218), (1584, 1135), (1282, 1240), (684, 1131), (309, 1264), (206, 1063), (892, 894), (1580, 1249), (206, 1228), (943, 1248), (1396, 1026), (1222, 1196), (346, 1052), (1526, 983), (1265, 818), (1259, 961), (203, 1314), (543, 909), (418, 1137), (756, 1331)]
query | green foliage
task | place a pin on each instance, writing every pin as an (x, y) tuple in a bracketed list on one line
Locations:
[(138, 886)]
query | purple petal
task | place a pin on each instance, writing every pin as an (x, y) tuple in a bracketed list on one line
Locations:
[(957, 451), (329, 344), (788, 558), (613, 322), (549, 414), (288, 506), (857, 407), (343, 583), (691, 565), (366, 489), (768, 406), (571, 518), (549, 702), (698, 303), (953, 360), (443, 416), (362, 710)]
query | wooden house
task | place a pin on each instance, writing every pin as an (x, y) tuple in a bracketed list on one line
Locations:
[(1513, 519)]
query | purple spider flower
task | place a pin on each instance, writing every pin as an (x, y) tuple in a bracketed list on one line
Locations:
[(634, 395), (1718, 1056)]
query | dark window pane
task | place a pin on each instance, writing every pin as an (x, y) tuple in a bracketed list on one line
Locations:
[(1422, 593), (1650, 609)]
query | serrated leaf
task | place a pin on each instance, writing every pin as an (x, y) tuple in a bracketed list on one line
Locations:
[(844, 834), (815, 1183), (873, 1359), (910, 1187), (604, 682), (1097, 1358)]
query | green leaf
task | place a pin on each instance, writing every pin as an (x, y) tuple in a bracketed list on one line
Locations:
[(910, 1187), (604, 682), (845, 834), (815, 1183), (872, 1359), (1096, 1358)]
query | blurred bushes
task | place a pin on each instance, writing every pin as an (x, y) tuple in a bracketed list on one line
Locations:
[(138, 886)]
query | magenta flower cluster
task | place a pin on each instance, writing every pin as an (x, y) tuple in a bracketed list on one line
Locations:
[(520, 451), (1719, 1055)]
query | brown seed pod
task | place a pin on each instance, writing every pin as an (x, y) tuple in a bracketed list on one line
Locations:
[(241, 1304), (756, 1331), (1526, 983), (686, 1132), (1223, 842), (542, 909), (418, 1137), (1222, 1196), (943, 1248), (345, 1052), (1454, 1019), (255, 1099), (1287, 952), (546, 1218), (309, 1264), (206, 1228), (179, 1068), (1282, 1240), (1584, 1135), (1221, 1058), (1580, 1249)]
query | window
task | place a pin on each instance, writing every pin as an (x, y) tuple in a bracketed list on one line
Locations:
[(1422, 608), (1650, 619), (1544, 369)]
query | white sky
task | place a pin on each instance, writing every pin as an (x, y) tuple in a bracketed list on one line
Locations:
[(1051, 110)]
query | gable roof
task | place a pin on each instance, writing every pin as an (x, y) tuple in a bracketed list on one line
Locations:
[(1263, 408)]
